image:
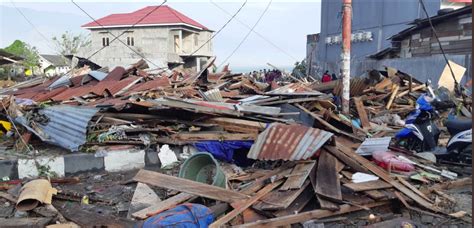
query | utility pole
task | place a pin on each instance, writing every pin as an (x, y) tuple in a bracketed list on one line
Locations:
[(346, 54)]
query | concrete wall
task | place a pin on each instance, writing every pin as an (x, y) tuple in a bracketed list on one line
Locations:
[(383, 18), (157, 44)]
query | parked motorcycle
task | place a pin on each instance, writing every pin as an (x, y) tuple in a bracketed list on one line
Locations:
[(421, 134)]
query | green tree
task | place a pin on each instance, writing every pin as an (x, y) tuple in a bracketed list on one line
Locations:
[(22, 49), (69, 44), (300, 69)]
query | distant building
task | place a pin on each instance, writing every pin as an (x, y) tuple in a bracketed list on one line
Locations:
[(373, 21), (51, 65), (311, 50), (453, 27), (415, 50), (165, 37)]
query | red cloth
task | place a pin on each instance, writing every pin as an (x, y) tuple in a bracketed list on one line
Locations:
[(326, 78)]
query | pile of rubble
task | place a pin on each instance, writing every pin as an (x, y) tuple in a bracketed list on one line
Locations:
[(264, 154)]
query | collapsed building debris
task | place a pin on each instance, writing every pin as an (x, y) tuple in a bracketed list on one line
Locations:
[(279, 156)]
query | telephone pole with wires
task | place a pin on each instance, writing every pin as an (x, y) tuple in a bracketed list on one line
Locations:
[(346, 54)]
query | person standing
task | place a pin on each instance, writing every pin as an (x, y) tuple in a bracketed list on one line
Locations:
[(326, 77)]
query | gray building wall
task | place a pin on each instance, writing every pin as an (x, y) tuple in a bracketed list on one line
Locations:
[(383, 18), (156, 43)]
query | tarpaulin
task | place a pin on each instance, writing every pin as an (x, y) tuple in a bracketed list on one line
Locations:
[(184, 215), (223, 150)]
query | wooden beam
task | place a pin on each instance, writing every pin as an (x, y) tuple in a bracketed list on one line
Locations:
[(305, 216), (212, 136), (327, 184), (368, 185), (386, 177), (246, 204), (162, 206), (346, 159), (364, 119), (414, 189), (326, 124), (408, 91), (392, 97), (188, 186)]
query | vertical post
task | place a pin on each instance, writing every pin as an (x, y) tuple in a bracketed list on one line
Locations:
[(346, 53), (198, 64)]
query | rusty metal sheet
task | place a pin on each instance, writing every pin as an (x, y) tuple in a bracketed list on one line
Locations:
[(288, 142), (149, 85)]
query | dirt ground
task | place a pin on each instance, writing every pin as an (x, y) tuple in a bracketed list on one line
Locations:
[(110, 195)]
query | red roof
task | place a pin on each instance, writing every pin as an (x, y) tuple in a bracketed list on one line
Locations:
[(162, 15)]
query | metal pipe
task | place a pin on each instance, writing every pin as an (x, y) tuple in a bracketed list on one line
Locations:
[(346, 54)]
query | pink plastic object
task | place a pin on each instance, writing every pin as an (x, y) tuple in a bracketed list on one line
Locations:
[(385, 159)]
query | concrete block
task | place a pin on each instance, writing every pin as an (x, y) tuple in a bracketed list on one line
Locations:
[(9, 168), (77, 163), (28, 167), (124, 160)]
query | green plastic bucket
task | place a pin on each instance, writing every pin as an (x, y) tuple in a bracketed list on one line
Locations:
[(202, 167)]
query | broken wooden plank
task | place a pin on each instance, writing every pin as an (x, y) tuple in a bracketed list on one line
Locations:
[(298, 204), (328, 185), (278, 200), (368, 185), (188, 186), (162, 206), (346, 159), (239, 207), (212, 136), (326, 124), (401, 94), (298, 176), (238, 125), (249, 215), (386, 177), (364, 119), (414, 189), (375, 194), (305, 216), (395, 89)]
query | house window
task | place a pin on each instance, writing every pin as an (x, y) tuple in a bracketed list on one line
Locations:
[(130, 41), (105, 41), (196, 39)]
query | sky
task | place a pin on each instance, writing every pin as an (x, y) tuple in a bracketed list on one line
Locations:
[(285, 25)]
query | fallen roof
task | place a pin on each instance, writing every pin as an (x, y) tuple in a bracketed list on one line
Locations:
[(152, 16), (57, 60), (7, 57), (66, 126)]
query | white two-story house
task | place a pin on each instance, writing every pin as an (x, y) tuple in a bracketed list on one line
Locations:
[(165, 37)]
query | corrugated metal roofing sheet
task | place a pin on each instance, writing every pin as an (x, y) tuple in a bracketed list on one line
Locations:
[(67, 125), (288, 142)]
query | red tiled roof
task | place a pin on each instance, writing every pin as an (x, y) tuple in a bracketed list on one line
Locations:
[(162, 15)]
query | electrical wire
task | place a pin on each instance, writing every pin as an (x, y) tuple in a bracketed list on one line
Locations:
[(439, 43), (257, 33), (247, 35), (218, 31), (117, 37)]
